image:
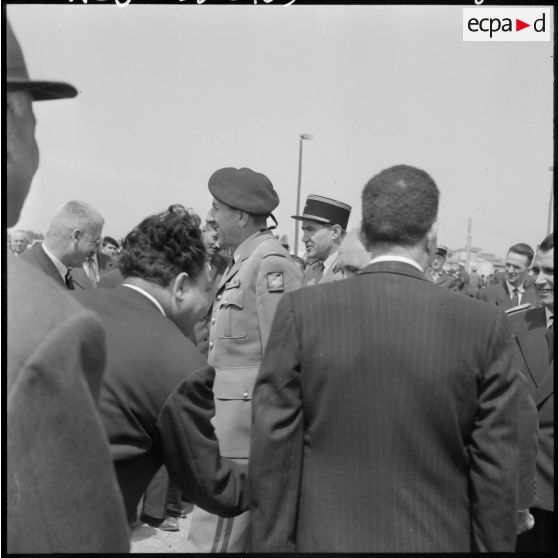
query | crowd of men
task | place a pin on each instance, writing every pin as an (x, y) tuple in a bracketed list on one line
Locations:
[(353, 402)]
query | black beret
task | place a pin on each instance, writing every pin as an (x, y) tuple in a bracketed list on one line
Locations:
[(244, 189)]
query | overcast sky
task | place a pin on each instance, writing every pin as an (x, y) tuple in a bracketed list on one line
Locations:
[(169, 94)]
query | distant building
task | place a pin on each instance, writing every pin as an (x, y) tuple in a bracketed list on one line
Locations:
[(485, 262)]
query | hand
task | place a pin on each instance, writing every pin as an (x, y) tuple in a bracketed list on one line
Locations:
[(525, 521)]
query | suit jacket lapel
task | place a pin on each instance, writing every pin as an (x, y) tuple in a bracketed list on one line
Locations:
[(47, 264), (534, 348), (546, 387)]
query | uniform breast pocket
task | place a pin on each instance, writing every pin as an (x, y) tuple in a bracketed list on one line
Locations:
[(230, 321)]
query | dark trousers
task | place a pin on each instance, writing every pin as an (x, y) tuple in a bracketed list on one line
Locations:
[(541, 537), (162, 497)]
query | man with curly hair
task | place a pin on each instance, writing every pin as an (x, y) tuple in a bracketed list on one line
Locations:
[(156, 400)]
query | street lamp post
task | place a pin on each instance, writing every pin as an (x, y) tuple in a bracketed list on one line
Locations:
[(301, 138), (549, 222)]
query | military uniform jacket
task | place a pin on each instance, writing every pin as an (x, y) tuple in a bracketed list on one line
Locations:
[(333, 273), (443, 280), (241, 318)]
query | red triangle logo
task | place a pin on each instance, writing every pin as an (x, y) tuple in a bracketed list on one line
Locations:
[(519, 25)]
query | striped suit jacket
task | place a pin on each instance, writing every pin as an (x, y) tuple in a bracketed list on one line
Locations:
[(385, 419)]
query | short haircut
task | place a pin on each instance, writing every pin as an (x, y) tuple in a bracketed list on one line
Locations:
[(399, 205), (523, 250), (164, 245), (74, 215), (547, 244)]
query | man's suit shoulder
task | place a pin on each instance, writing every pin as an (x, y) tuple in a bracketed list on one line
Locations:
[(129, 317)]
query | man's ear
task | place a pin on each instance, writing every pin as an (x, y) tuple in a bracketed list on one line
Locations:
[(181, 285), (242, 218), (337, 232), (76, 235), (432, 239)]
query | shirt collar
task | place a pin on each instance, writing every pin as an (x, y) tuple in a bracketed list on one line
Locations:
[(146, 294), (394, 258), (62, 269)]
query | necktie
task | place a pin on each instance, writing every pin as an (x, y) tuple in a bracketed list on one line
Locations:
[(515, 298), (550, 341), (69, 281), (319, 269), (90, 271)]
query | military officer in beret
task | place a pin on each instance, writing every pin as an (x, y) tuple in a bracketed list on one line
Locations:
[(436, 273), (324, 222), (247, 295)]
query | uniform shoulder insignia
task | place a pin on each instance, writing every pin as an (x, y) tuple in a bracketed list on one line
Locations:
[(275, 282), (517, 309), (273, 254)]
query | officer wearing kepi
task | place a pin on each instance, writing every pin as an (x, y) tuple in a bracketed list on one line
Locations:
[(247, 295), (436, 274)]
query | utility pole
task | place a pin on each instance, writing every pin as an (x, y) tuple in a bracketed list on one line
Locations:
[(550, 208), (468, 256)]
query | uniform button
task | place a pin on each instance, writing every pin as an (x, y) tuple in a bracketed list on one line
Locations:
[(210, 345), (213, 321), (245, 395), (218, 297), (225, 302)]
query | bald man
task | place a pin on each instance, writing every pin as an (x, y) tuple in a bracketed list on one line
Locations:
[(73, 235), (19, 241)]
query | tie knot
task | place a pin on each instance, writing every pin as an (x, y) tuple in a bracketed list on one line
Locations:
[(68, 280)]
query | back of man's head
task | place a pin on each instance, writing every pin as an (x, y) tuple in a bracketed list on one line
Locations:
[(71, 216), (547, 244), (164, 245), (399, 206), (523, 250)]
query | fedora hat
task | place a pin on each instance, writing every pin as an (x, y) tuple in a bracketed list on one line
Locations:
[(17, 78), (325, 210)]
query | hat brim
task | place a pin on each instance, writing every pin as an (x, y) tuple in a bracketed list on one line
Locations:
[(42, 90), (311, 218)]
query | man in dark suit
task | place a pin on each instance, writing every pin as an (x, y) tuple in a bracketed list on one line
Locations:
[(517, 288), (385, 413), (62, 495), (533, 333), (156, 400), (72, 236)]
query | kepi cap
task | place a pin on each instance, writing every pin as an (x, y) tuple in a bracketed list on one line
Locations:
[(244, 189), (441, 251), (17, 78), (325, 210)]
